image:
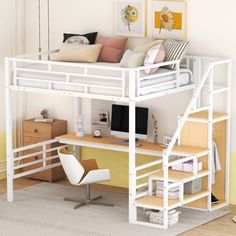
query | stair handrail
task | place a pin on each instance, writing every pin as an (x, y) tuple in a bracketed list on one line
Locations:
[(191, 105), (187, 112)]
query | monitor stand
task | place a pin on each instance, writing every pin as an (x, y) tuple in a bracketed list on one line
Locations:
[(125, 142)]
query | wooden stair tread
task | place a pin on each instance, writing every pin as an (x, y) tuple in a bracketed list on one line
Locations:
[(178, 176), (154, 202), (204, 116), (188, 150), (192, 197)]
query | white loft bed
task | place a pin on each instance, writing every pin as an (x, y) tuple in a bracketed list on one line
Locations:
[(80, 80)]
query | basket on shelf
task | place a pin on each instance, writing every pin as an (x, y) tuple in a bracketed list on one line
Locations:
[(157, 217)]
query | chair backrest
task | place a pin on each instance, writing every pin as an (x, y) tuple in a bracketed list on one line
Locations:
[(72, 167)]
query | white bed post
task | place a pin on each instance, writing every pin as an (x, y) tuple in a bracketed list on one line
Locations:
[(77, 110), (132, 171), (165, 200), (9, 136), (210, 135), (229, 78)]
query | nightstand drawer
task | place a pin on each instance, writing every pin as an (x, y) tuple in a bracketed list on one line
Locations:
[(28, 140), (38, 130)]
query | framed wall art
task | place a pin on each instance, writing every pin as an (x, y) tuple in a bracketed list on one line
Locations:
[(130, 18), (169, 19)]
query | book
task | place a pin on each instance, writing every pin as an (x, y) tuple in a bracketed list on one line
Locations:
[(46, 120)]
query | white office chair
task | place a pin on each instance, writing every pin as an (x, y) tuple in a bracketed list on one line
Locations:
[(83, 173)]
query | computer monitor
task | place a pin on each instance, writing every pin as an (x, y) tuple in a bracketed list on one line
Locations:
[(120, 121)]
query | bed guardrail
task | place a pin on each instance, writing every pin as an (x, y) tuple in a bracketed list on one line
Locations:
[(22, 160), (47, 78)]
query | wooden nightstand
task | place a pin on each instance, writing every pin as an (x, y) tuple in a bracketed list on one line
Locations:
[(34, 132)]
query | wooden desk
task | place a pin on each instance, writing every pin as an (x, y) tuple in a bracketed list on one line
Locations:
[(146, 148)]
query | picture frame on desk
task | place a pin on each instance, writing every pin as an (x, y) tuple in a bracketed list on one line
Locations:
[(102, 118)]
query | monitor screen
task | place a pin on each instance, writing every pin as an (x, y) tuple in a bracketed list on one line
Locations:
[(120, 120)]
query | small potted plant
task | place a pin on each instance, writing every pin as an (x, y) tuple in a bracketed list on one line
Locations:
[(155, 128)]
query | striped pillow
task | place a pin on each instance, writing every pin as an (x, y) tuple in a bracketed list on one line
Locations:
[(175, 50)]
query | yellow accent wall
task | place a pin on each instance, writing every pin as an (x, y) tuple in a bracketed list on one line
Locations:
[(2, 151), (233, 179), (117, 162)]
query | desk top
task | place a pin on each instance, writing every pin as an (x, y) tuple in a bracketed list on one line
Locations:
[(146, 148)]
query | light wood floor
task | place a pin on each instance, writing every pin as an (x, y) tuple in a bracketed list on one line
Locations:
[(223, 226)]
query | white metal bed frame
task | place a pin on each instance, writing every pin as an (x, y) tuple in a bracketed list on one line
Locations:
[(15, 155)]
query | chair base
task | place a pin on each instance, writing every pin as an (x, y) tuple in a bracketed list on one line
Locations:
[(92, 201), (88, 200)]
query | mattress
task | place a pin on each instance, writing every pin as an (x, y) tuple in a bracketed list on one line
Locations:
[(30, 77)]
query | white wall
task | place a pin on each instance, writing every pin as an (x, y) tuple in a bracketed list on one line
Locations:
[(7, 45), (210, 30)]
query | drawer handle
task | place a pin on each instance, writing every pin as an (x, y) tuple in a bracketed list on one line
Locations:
[(36, 157), (36, 131)]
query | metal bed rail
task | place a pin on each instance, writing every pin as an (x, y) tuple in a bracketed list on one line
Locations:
[(48, 77), (46, 161)]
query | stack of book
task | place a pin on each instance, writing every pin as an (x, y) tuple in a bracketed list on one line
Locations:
[(173, 193)]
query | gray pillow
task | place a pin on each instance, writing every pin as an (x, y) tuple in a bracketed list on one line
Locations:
[(132, 59)]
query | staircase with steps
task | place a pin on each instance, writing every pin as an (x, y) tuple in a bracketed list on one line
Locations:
[(197, 127)]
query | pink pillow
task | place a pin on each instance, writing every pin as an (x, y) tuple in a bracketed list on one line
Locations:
[(112, 49), (155, 55)]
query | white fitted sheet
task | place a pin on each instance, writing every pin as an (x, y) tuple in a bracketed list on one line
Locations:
[(185, 79)]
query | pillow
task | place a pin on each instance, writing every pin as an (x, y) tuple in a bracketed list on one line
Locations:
[(132, 59), (112, 49), (91, 37), (145, 47), (79, 53), (175, 50), (133, 42), (155, 55)]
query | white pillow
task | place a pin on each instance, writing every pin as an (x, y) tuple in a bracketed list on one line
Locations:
[(155, 55), (147, 46), (131, 59)]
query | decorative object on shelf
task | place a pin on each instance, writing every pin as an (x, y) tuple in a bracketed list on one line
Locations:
[(97, 133), (100, 106), (79, 126), (45, 117), (44, 113), (169, 19), (130, 18), (155, 128), (102, 118)]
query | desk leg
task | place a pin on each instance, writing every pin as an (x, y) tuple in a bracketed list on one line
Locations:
[(76, 151)]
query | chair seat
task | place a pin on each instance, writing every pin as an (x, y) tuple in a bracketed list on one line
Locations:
[(95, 176)]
